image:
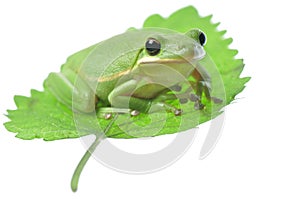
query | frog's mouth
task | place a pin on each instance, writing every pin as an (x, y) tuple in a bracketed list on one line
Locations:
[(155, 60)]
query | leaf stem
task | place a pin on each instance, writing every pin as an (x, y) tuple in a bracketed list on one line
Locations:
[(87, 155)]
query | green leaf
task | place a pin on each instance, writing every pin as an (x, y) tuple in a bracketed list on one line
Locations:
[(42, 116)]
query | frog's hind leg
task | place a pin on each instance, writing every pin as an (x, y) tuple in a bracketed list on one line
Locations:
[(79, 97), (122, 101)]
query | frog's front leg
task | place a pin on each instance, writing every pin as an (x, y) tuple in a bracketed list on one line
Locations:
[(79, 98), (202, 85)]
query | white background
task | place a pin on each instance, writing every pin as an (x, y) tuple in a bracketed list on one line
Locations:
[(258, 153)]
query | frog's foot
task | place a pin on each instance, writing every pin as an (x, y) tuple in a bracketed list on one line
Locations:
[(107, 112), (183, 97), (191, 96), (159, 106)]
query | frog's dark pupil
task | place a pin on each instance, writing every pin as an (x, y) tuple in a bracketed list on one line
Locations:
[(152, 46), (202, 38)]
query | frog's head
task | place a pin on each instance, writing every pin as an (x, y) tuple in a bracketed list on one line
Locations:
[(177, 51), (174, 47)]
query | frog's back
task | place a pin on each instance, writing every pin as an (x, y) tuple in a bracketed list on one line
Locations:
[(108, 79), (118, 66), (75, 61)]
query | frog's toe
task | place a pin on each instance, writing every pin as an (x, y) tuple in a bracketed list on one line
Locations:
[(183, 100), (107, 116), (176, 88), (217, 100), (134, 113), (198, 106), (193, 97), (177, 112)]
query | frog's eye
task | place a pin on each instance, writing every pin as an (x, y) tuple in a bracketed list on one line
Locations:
[(152, 46), (202, 38)]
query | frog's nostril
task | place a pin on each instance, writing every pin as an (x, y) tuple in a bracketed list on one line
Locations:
[(179, 47), (199, 52)]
